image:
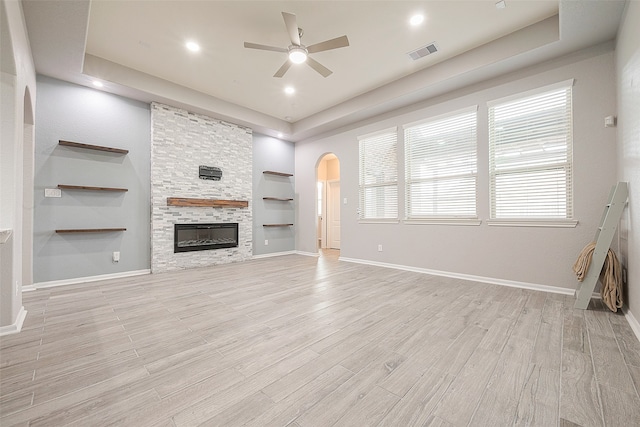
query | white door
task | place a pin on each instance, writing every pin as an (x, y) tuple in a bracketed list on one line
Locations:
[(333, 220)]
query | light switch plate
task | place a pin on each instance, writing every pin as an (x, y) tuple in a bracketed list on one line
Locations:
[(52, 192)]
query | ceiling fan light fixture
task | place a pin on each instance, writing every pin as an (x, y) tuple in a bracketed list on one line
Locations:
[(297, 54)]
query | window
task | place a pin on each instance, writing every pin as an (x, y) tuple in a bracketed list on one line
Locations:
[(530, 154), (379, 175), (441, 166)]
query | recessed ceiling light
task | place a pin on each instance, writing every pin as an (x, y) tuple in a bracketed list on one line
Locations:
[(193, 46), (280, 134), (98, 83), (501, 4), (287, 118), (289, 90), (416, 19)]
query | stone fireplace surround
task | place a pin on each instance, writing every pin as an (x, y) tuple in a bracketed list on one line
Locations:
[(182, 141)]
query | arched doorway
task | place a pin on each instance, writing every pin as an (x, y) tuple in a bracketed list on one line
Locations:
[(328, 202)]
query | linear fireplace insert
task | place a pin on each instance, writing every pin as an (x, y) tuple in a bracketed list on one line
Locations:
[(202, 237)]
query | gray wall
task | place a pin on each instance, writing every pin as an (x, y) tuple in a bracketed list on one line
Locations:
[(75, 113), (628, 81), (541, 256), (275, 155)]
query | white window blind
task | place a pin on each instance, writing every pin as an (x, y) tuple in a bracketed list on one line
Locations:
[(530, 155), (379, 175), (441, 167)]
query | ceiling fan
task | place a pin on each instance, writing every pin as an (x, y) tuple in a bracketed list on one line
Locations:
[(299, 53)]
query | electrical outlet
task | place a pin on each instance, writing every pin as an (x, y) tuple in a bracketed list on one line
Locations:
[(17, 288), (379, 248), (345, 201), (266, 242), (116, 256)]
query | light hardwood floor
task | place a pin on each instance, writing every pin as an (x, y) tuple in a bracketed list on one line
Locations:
[(299, 341)]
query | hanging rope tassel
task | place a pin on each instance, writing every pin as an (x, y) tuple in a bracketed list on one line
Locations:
[(610, 275)]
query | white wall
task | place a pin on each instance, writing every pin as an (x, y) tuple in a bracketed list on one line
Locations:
[(18, 85), (329, 169), (628, 89), (542, 256), (333, 170)]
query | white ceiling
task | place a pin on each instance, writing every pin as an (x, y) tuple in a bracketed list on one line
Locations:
[(138, 49)]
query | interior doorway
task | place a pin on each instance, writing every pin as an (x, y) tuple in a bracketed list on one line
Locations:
[(333, 214), (328, 202)]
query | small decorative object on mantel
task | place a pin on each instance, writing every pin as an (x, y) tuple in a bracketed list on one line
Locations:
[(210, 172)]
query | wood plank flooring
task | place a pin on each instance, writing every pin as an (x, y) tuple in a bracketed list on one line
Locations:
[(301, 341)]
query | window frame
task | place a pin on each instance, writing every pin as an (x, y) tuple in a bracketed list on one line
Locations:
[(362, 186), (532, 221), (454, 219)]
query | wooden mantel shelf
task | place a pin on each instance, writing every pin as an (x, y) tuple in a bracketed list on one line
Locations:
[(206, 203)]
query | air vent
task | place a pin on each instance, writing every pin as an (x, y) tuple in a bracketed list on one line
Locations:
[(423, 51)]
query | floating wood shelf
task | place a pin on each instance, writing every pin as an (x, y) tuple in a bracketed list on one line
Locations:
[(277, 198), (277, 225), (92, 147), (277, 173), (86, 187), (90, 230), (206, 203)]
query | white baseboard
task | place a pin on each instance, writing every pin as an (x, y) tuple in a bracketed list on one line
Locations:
[(274, 254), (315, 254), (470, 277), (77, 280), (633, 322), (16, 326)]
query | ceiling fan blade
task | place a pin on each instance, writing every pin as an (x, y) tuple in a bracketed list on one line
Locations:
[(264, 47), (329, 44), (283, 69), (319, 67), (292, 27)]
